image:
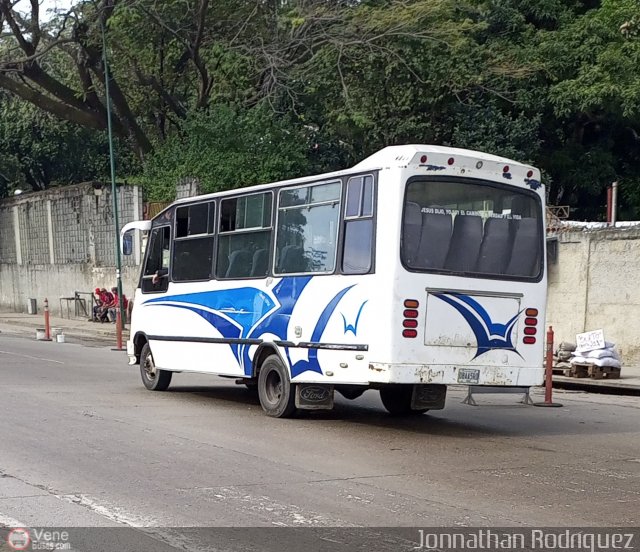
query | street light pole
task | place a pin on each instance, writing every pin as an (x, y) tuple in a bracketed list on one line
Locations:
[(112, 162)]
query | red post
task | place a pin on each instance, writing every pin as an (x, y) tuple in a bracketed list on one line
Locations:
[(47, 324), (118, 329), (548, 374), (549, 371)]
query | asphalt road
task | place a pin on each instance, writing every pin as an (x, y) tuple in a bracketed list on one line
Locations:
[(83, 444)]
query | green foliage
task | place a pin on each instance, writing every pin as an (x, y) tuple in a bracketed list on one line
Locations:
[(38, 151), (227, 148), (247, 92), (486, 128)]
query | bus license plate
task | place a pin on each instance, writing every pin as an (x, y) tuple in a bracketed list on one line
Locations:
[(468, 375)]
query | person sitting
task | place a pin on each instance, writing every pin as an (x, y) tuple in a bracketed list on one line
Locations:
[(116, 304), (98, 304), (106, 299)]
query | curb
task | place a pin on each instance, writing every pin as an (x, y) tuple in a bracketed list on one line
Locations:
[(29, 329), (603, 388)]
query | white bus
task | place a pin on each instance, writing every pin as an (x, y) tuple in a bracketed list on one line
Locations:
[(420, 267)]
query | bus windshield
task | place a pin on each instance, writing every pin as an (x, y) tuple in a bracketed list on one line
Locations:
[(475, 228)]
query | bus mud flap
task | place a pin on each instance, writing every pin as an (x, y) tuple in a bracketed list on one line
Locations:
[(314, 396), (431, 396)]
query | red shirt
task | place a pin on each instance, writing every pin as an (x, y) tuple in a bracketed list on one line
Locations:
[(125, 301)]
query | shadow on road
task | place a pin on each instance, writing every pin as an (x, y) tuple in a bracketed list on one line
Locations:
[(455, 421)]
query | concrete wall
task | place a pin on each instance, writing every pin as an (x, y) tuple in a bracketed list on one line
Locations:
[(19, 283), (56, 242), (594, 284)]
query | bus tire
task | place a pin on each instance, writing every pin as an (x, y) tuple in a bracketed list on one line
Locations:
[(277, 395), (397, 400), (153, 378)]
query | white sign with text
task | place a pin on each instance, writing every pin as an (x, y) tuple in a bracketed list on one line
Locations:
[(589, 341)]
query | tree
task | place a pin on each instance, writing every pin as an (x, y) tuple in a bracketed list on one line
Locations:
[(226, 148), (38, 150), (58, 67)]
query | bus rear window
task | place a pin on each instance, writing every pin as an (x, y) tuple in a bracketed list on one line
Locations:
[(472, 228)]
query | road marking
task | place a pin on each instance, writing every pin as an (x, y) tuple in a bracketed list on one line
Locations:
[(278, 513), (146, 525), (6, 521), (110, 512), (31, 357)]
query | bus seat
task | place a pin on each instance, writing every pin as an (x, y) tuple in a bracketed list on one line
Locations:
[(525, 253), (411, 232), (239, 264), (434, 241), (465, 243), (495, 250), (260, 264), (292, 260)]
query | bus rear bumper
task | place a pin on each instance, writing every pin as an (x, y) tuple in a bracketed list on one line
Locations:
[(380, 372)]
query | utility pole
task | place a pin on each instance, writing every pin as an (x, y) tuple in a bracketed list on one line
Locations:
[(112, 162)]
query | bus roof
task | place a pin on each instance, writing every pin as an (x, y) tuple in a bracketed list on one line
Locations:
[(389, 157), (399, 156)]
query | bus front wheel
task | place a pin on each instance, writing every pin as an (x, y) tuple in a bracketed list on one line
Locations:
[(153, 378), (277, 395), (397, 400)]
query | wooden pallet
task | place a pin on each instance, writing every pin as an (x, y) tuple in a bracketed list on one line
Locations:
[(592, 371)]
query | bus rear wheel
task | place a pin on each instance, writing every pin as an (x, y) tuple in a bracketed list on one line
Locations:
[(153, 378), (277, 395), (397, 400)]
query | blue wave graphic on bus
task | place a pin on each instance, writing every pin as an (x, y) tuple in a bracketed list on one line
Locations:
[(248, 313), (353, 328), (489, 334)]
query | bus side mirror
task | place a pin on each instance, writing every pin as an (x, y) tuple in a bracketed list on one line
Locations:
[(127, 244)]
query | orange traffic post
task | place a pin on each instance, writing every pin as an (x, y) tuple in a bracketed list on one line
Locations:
[(548, 374), (47, 323), (548, 384)]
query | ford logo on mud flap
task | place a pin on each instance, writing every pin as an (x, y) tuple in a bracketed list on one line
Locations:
[(314, 393)]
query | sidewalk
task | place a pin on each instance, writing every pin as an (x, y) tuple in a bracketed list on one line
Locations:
[(94, 333), (629, 382), (75, 330)]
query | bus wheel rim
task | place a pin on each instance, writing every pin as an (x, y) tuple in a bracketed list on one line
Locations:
[(149, 368), (273, 387)]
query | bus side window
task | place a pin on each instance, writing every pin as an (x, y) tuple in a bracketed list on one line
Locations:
[(307, 233), (157, 262), (245, 236), (358, 226), (193, 242)]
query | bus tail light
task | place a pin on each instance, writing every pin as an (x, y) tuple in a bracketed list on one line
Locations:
[(410, 315), (530, 323)]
